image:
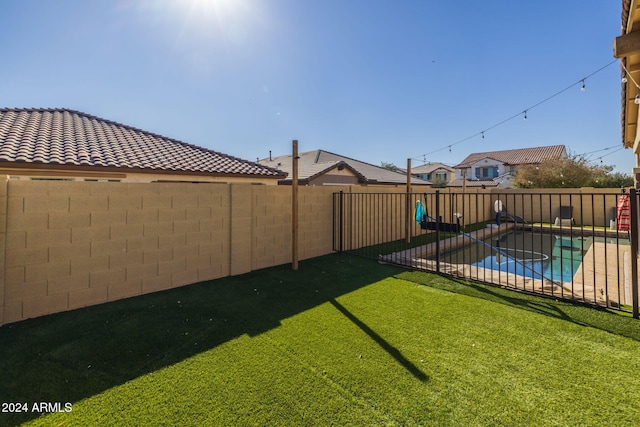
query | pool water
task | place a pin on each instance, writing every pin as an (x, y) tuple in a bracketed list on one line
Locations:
[(537, 255)]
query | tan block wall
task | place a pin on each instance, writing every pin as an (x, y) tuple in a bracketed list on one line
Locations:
[(591, 206), (380, 218), (74, 244)]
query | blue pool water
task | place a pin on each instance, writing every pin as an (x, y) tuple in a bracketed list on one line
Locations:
[(537, 255)]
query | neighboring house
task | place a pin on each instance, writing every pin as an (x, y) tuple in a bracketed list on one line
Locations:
[(434, 172), (497, 168), (63, 144), (321, 167), (626, 47)]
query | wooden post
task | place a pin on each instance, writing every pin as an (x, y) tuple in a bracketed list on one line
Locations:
[(407, 228), (464, 181), (294, 207), (464, 190)]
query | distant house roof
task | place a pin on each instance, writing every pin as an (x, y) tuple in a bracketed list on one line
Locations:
[(311, 171), (61, 137), (314, 162), (430, 167), (518, 156)]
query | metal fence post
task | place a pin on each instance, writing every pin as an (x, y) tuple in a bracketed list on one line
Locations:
[(438, 231), (341, 219), (634, 249)]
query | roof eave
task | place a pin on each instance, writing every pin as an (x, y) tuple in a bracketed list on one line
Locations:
[(125, 170)]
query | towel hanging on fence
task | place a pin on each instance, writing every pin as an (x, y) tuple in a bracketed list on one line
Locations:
[(420, 212), (624, 213)]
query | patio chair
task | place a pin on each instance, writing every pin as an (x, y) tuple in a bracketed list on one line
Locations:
[(501, 213), (565, 217)]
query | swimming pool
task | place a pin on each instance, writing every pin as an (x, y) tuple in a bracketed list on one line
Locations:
[(536, 255)]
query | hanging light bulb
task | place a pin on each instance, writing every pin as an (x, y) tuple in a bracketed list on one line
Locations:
[(583, 88), (637, 100), (449, 148), (525, 115), (623, 80), (482, 134)]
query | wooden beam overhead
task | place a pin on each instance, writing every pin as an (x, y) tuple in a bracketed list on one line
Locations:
[(626, 44), (633, 67)]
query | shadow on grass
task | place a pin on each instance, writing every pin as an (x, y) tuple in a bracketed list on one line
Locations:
[(581, 314), (74, 355), (391, 350)]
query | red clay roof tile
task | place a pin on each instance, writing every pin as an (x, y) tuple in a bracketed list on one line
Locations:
[(63, 136), (517, 156)]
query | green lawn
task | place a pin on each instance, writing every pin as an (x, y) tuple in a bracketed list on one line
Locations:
[(343, 341)]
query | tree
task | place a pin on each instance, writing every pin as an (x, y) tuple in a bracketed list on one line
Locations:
[(390, 166), (439, 183), (614, 180), (572, 172)]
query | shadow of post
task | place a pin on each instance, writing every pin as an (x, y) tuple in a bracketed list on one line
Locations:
[(67, 357), (394, 352)]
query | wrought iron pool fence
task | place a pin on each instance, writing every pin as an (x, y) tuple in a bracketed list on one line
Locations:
[(579, 246)]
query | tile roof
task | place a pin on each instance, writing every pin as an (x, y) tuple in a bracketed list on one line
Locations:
[(430, 167), (310, 171), (519, 156), (309, 161), (60, 136), (627, 92)]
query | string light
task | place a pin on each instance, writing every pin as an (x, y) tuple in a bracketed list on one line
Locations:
[(630, 76), (597, 151), (581, 82), (608, 154)]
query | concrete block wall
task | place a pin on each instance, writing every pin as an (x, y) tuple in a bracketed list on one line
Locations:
[(591, 206), (76, 244)]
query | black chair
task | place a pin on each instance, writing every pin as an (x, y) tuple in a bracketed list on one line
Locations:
[(566, 215)]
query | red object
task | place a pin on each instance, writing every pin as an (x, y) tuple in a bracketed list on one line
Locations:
[(624, 216)]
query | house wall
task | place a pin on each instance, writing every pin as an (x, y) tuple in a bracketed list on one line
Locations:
[(27, 174), (75, 244), (484, 163), (336, 176)]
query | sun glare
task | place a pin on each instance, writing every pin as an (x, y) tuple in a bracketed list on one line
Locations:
[(231, 18)]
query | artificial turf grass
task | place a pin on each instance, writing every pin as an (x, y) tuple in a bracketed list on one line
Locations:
[(616, 322), (360, 345), (276, 378), (73, 355)]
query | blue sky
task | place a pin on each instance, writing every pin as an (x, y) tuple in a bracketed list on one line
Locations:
[(376, 80)]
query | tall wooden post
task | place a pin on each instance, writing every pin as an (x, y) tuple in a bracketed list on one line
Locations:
[(407, 228), (294, 207), (464, 181)]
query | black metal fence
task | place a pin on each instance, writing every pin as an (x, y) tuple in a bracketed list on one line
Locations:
[(577, 245)]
